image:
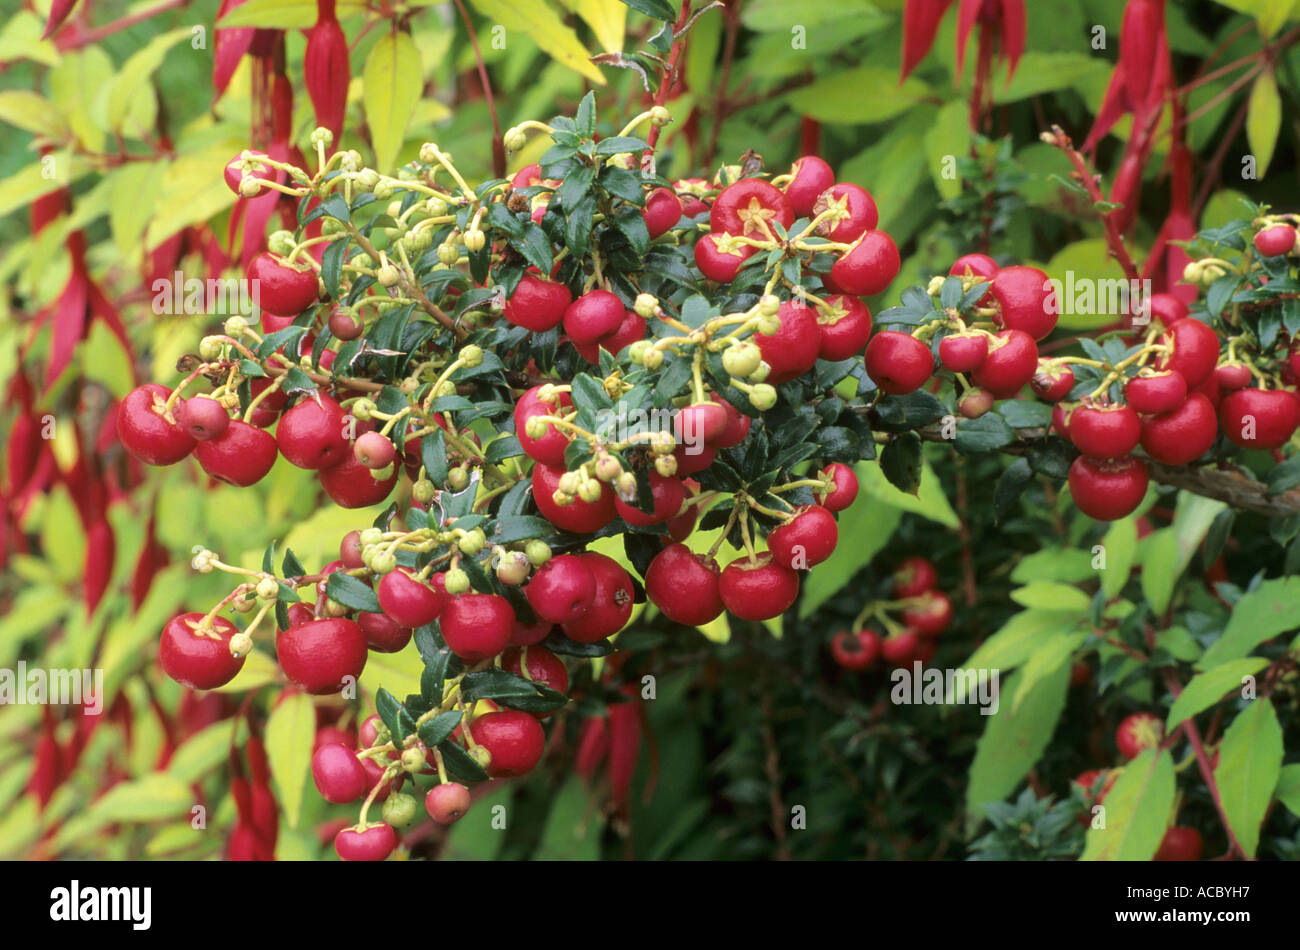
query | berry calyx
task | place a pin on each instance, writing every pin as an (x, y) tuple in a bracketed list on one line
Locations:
[(845, 490), (845, 324), (1011, 363)]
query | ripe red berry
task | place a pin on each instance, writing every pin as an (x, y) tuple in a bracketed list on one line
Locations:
[(343, 324), (855, 651), (447, 803), (550, 447), (759, 589), (562, 589), (1156, 391), (718, 265), (241, 456), (792, 350), (202, 418), (855, 212), (1052, 382), (1108, 490), (408, 601), (1026, 301), (351, 485), (868, 266), (595, 314), (543, 667), (383, 633), (312, 435), (1195, 350), (1183, 435), (694, 458), (610, 607), (1259, 418), (234, 174), (338, 773), (900, 648), (737, 424), (1087, 780), (148, 430), (1142, 730), (1276, 240), (268, 408), (663, 209), (807, 539), (809, 177), (898, 363), (537, 304), (974, 402), (684, 585), (373, 450), (668, 493), (750, 207), (700, 422), (1105, 432), (514, 739), (845, 491), (526, 634), (845, 324), (964, 351), (322, 656), (580, 517), (1232, 376), (931, 616), (300, 613), (632, 328), (914, 576), (280, 287), (195, 659), (375, 842), (1181, 842), (477, 626), (1010, 364)]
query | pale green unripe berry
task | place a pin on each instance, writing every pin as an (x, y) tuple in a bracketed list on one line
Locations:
[(210, 348), (475, 241), (646, 305), (472, 542), (368, 178), (625, 485), (742, 358), (514, 139), (267, 588), (423, 491), (762, 397), (281, 243), (241, 644), (769, 324), (471, 355), (436, 206), (383, 189), (535, 427), (388, 275), (384, 563), (764, 370), (653, 359), (666, 465), (608, 468), (414, 759), (662, 442), (448, 253), (568, 483), (562, 498), (638, 350), (322, 136), (513, 569), (400, 809), (660, 116), (457, 581), (372, 536), (429, 153), (769, 305), (538, 552), (458, 478), (235, 325)]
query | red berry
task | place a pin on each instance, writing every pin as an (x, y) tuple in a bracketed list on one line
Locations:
[(700, 422), (1259, 418), (351, 485), (694, 458), (610, 607), (477, 626), (751, 207), (1166, 308), (914, 576), (1142, 730), (964, 351), (374, 451), (375, 842), (300, 614), (1181, 843), (148, 430), (855, 212), (807, 539), (898, 363), (737, 424), (543, 667), (408, 601), (1087, 780), (684, 585), (550, 447), (931, 616), (759, 589), (268, 409), (383, 633), (280, 287), (447, 804), (580, 517), (792, 350), (1105, 432), (1025, 300), (312, 434), (322, 656), (1061, 413), (514, 739), (1011, 363), (1232, 376), (1195, 350), (1157, 391), (562, 589), (338, 773), (809, 177), (526, 634), (595, 314), (1108, 490), (632, 328), (855, 651), (668, 493), (1052, 382), (1182, 436), (344, 325), (975, 402), (527, 176), (663, 209), (202, 418), (845, 325), (900, 648), (537, 304), (868, 267), (718, 265), (1276, 240), (197, 660), (234, 174), (242, 455), (846, 487)]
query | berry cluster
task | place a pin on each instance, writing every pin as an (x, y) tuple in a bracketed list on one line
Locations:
[(924, 613)]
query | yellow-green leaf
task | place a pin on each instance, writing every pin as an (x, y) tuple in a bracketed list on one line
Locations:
[(56, 170), (135, 72), (289, 732), (206, 749), (1051, 595), (543, 26), (1120, 545), (393, 85), (608, 20), (1250, 764), (1263, 120), (1018, 637), (1137, 811), (1044, 661), (1206, 689), (947, 140), (1270, 609), (858, 96), (32, 112), (284, 14), (1288, 788)]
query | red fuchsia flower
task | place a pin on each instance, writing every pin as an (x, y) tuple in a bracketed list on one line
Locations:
[(1003, 20), (325, 68)]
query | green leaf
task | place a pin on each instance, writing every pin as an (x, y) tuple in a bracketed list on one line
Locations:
[(986, 434), (839, 98), (1250, 764), (351, 592), (541, 25), (433, 732), (392, 82), (1206, 689), (1263, 119), (1016, 640), (871, 523), (1051, 595), (290, 730), (1120, 545), (1160, 568), (900, 462), (930, 502), (1270, 609), (1044, 661), (460, 764), (659, 9), (433, 455), (1137, 811), (1054, 564), (1288, 788), (135, 72)]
